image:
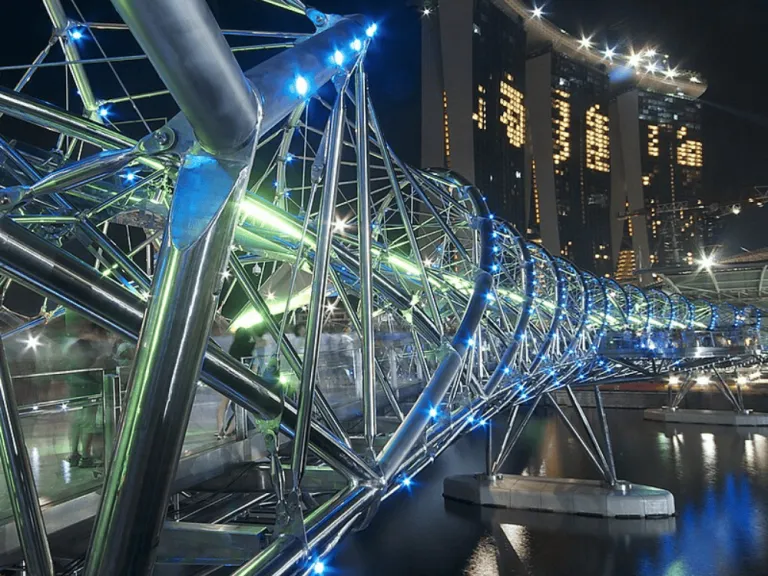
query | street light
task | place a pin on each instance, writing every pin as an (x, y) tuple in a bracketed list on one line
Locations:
[(707, 261)]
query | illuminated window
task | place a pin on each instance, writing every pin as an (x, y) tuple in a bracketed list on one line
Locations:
[(598, 140), (689, 152), (535, 193), (447, 135), (653, 140), (481, 115), (561, 122), (512, 112)]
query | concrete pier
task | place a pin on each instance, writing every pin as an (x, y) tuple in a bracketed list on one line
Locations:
[(713, 417), (564, 496)]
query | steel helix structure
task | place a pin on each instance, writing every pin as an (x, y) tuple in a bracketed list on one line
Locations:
[(214, 175)]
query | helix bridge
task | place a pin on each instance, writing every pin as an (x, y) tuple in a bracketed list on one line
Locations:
[(162, 174)]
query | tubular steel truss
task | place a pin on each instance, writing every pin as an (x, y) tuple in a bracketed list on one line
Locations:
[(273, 192)]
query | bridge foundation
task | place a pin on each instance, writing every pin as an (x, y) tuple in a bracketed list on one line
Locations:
[(561, 495), (713, 417)]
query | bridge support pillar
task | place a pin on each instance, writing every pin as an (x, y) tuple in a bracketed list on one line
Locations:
[(608, 498)]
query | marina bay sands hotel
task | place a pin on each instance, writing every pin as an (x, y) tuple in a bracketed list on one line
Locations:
[(595, 151)]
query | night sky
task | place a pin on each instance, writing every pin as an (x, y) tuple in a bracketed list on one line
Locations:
[(724, 41)]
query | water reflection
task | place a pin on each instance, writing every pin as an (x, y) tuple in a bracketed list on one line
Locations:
[(715, 536), (719, 477)]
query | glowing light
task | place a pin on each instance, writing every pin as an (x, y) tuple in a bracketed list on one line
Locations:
[(356, 45), (406, 482), (339, 226), (634, 59), (129, 176), (76, 34), (585, 42), (32, 343), (490, 297), (318, 567), (338, 57), (289, 158), (301, 85), (483, 422), (702, 380), (270, 296), (652, 67), (426, 11), (471, 342), (103, 111), (537, 12), (433, 412), (674, 380), (736, 209), (650, 53), (695, 80), (707, 261), (371, 30), (609, 53), (226, 274), (470, 419), (741, 380), (670, 73)]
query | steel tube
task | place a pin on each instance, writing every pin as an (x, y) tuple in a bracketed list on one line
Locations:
[(588, 428), (72, 54), (186, 48), (606, 434), (518, 432), (19, 479), (319, 283), (364, 238)]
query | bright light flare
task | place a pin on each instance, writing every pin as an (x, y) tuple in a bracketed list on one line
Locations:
[(433, 412), (634, 60), (702, 380), (609, 53), (338, 57), (741, 380), (76, 34), (339, 226), (707, 262), (736, 209), (301, 85), (318, 567), (426, 12), (652, 67), (674, 380), (32, 343), (371, 30), (585, 42), (671, 73), (356, 45), (537, 12)]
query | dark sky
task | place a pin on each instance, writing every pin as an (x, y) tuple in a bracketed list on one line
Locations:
[(725, 41)]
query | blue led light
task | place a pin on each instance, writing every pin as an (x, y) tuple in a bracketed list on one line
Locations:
[(406, 482), (495, 268), (289, 158), (491, 216), (470, 419), (76, 34), (471, 342), (490, 297), (338, 57), (318, 567), (129, 176), (356, 45), (433, 412), (371, 30), (301, 85), (103, 111), (483, 422)]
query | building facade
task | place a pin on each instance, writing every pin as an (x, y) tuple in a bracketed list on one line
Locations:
[(570, 159), (595, 154), (473, 65)]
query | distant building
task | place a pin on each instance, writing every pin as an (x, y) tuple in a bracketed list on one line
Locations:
[(570, 154), (473, 103), (668, 152), (577, 146)]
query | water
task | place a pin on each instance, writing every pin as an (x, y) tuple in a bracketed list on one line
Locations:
[(719, 477)]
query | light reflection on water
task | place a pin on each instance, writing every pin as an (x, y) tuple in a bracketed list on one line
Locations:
[(719, 477)]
